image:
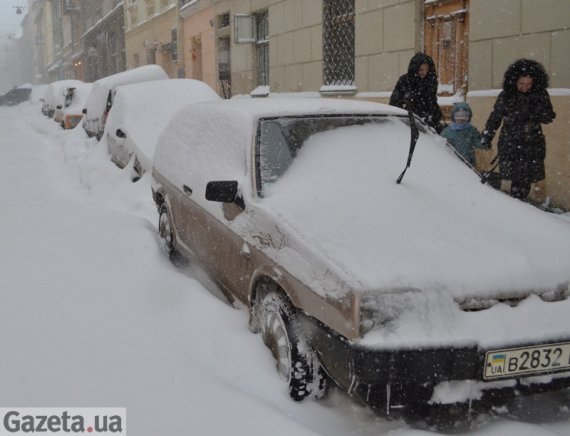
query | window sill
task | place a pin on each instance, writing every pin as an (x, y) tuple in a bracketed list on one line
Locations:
[(331, 90)]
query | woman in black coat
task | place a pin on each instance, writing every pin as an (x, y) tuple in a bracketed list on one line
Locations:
[(418, 87), (522, 106)]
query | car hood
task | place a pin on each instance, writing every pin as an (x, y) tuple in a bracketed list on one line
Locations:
[(440, 230)]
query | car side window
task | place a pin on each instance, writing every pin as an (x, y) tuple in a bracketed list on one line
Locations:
[(275, 153)]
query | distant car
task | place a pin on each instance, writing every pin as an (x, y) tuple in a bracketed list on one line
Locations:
[(100, 99), (53, 91), (141, 111), (16, 95), (70, 104), (438, 291)]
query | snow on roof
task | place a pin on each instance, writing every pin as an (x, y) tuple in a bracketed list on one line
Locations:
[(80, 95), (55, 88), (143, 110), (97, 99), (269, 107)]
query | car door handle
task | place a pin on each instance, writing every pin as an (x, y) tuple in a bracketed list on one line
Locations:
[(187, 189), (245, 251)]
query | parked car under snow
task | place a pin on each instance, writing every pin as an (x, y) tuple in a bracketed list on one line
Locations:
[(141, 111), (16, 95), (438, 290), (100, 99), (53, 91), (70, 104)]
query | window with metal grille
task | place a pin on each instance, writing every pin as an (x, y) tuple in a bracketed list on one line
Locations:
[(174, 44), (262, 47), (338, 42)]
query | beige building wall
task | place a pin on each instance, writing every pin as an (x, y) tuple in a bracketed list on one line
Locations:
[(48, 37), (198, 44), (386, 38), (502, 31), (148, 26)]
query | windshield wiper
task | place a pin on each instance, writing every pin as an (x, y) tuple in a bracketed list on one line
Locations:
[(414, 135)]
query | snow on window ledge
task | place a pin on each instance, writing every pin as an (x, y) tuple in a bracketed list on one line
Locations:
[(260, 91), (338, 89)]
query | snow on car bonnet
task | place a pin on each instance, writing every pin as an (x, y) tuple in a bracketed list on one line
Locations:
[(441, 230)]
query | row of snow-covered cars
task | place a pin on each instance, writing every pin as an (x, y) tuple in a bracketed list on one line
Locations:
[(132, 128), (436, 293)]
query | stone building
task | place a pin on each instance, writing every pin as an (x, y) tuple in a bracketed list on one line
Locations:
[(359, 48), (103, 39), (151, 34), (197, 49), (348, 48)]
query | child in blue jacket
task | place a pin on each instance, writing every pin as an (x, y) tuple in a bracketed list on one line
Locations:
[(461, 134)]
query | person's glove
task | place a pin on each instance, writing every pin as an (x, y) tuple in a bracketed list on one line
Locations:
[(485, 142)]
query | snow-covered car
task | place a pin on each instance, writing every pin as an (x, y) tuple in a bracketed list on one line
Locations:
[(70, 104), (141, 111), (53, 91), (39, 92), (100, 99), (435, 291), (16, 95)]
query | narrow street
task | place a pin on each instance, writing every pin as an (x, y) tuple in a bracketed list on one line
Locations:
[(92, 313)]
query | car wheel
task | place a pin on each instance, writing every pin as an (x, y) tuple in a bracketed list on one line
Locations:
[(137, 171), (296, 363), (165, 231)]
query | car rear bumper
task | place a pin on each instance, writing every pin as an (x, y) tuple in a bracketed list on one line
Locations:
[(72, 120)]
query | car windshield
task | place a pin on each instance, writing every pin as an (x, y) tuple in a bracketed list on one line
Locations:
[(280, 139)]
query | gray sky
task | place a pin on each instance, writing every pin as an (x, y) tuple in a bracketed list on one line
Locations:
[(9, 19)]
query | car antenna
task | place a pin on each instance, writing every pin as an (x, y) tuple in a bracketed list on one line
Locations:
[(414, 135)]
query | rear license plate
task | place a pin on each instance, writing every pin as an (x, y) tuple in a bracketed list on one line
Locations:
[(535, 360)]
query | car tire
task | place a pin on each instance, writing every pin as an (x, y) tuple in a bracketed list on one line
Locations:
[(295, 361), (137, 171), (167, 235)]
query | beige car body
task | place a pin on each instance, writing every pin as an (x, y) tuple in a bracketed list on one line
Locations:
[(237, 260), (246, 243)]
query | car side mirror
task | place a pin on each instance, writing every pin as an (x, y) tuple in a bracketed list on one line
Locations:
[(84, 111), (224, 191), (120, 134)]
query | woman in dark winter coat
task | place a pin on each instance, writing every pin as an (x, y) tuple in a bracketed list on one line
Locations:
[(522, 106), (418, 88)]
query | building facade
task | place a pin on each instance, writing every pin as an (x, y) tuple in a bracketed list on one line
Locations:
[(103, 39), (72, 29), (349, 48), (197, 49), (151, 34), (359, 48)]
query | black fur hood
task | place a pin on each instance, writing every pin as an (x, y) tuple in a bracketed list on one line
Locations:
[(419, 59), (525, 68)]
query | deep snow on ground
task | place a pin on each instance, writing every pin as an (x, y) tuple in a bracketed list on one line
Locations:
[(92, 314)]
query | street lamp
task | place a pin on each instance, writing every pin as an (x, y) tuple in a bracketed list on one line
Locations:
[(19, 9)]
